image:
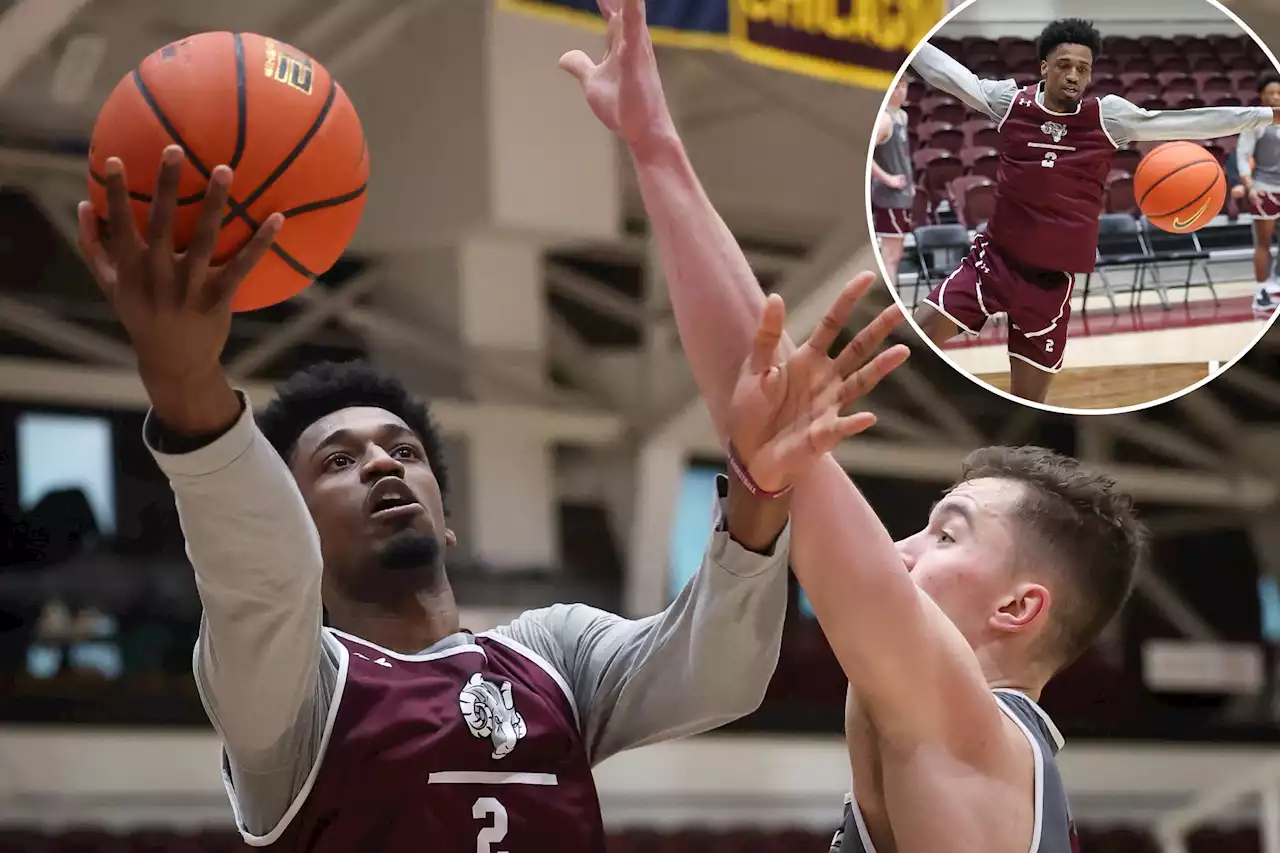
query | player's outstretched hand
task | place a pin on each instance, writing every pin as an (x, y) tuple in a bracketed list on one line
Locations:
[(785, 413), (175, 306), (624, 89)]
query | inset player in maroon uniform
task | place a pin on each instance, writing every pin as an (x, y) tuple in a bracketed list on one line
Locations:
[(1054, 159)]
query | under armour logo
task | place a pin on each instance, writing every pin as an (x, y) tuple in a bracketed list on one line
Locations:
[(1024, 102)]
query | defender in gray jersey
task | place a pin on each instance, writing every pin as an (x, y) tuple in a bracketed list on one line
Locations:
[(1016, 570), (335, 502), (892, 185), (1258, 162)]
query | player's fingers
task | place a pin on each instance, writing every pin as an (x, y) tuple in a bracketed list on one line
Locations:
[(764, 349), (633, 17), (578, 64), (204, 238), (164, 205), (222, 287), (125, 242), (89, 239), (865, 380), (859, 350), (608, 8), (838, 314), (849, 425)]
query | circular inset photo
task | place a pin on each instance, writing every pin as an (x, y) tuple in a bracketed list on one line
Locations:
[(1081, 213)]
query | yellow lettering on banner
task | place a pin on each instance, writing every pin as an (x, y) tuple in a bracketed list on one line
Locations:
[(887, 24)]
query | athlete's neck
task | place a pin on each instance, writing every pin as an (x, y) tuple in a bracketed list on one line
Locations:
[(1002, 674), (408, 625)]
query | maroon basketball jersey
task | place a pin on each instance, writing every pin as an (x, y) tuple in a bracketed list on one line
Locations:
[(473, 749), (1051, 184)]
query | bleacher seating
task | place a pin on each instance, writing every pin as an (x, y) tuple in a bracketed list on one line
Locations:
[(1109, 840)]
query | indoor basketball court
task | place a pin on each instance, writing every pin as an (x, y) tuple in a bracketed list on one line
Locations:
[(1163, 310)]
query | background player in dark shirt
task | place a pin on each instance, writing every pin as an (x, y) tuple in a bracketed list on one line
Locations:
[(946, 637), (395, 729), (1054, 159)]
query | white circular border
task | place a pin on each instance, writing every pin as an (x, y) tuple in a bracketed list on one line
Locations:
[(893, 290)]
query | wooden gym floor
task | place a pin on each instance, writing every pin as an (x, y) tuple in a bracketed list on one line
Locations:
[(1129, 358)]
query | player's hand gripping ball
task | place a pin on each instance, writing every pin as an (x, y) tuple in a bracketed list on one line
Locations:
[(271, 113)]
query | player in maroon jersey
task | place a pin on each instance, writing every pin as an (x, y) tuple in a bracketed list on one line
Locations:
[(1055, 155), (393, 728)]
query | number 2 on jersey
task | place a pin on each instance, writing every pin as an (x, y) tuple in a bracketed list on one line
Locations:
[(1050, 157), (483, 809)]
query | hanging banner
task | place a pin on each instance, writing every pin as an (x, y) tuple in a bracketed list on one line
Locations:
[(862, 42)]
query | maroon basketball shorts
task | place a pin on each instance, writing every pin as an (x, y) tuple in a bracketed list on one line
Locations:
[(1268, 206), (892, 221), (1037, 302)]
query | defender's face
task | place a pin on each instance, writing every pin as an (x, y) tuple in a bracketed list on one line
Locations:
[(964, 557), (365, 477), (1067, 72), (1270, 95)]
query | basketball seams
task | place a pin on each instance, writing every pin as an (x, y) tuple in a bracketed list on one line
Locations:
[(1205, 191), (241, 209), (1208, 158), (297, 149), (237, 209)]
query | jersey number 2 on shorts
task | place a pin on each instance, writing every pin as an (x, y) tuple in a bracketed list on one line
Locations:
[(488, 807)]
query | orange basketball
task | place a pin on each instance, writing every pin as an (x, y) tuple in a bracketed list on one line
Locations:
[(1180, 187), (272, 114)]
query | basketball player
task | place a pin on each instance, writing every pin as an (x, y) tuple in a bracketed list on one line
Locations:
[(393, 727), (892, 181), (1258, 162), (1054, 160), (946, 637)]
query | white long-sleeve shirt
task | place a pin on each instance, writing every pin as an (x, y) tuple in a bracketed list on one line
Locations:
[(1123, 121)]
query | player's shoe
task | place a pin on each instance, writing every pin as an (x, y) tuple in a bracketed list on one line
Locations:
[(1272, 287)]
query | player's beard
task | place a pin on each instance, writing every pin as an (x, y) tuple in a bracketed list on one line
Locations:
[(410, 549)]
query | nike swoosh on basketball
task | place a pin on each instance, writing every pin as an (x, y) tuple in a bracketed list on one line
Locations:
[(1183, 223)]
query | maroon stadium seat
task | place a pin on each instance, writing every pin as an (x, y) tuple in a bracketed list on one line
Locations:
[(980, 133), (973, 197), (937, 168), (1126, 160), (1131, 79), (942, 108), (938, 134), (981, 160), (1120, 198)]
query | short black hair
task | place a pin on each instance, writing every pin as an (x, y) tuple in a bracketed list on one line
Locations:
[(1088, 528), (1267, 78), (1069, 31), (324, 388)]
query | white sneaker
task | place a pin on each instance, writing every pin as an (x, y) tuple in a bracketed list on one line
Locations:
[(1272, 287)]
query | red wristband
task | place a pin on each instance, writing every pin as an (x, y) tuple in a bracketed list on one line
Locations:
[(739, 469)]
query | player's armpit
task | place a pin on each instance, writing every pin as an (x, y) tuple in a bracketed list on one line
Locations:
[(909, 666), (704, 661), (256, 555)]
